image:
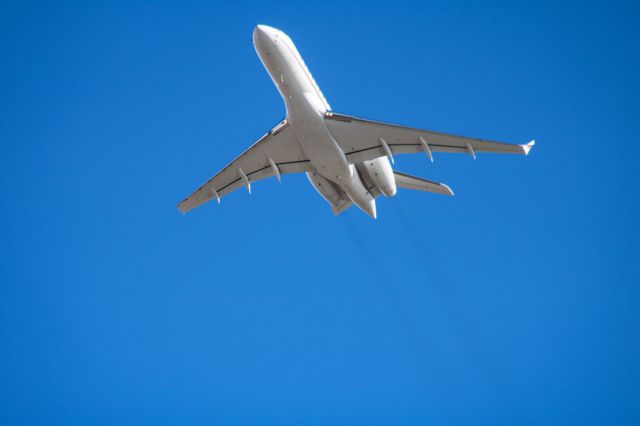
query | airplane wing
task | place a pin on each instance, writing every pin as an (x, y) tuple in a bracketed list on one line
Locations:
[(363, 140), (406, 181), (277, 152)]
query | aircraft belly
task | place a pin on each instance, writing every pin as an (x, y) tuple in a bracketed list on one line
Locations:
[(317, 142), (306, 108)]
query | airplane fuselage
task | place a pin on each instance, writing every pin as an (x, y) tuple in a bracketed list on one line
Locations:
[(347, 159), (306, 107)]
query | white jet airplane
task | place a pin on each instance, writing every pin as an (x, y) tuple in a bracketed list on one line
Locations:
[(347, 159)]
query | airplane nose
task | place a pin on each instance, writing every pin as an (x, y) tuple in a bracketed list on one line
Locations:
[(263, 33)]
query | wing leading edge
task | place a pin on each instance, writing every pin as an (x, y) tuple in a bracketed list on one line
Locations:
[(364, 140), (277, 152)]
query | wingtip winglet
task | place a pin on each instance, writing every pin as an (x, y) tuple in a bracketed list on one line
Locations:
[(450, 192), (527, 147)]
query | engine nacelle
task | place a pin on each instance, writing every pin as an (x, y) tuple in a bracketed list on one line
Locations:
[(379, 173), (329, 190)]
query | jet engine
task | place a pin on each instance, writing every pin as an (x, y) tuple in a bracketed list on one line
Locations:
[(326, 188), (378, 173)]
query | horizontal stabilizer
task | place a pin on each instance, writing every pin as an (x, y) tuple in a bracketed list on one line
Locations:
[(406, 181)]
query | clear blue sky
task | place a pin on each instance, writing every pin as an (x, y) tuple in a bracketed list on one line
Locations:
[(514, 302)]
